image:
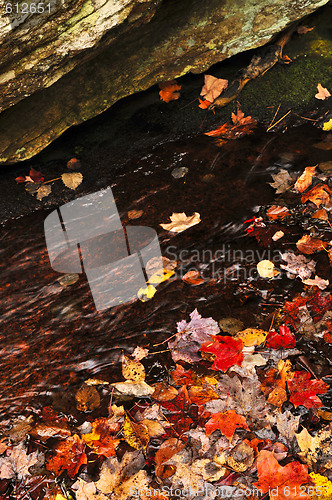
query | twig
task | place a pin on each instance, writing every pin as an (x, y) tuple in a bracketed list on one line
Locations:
[(275, 114), (189, 103), (276, 123)]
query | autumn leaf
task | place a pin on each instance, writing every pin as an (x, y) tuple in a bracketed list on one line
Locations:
[(34, 176), (147, 293), (282, 340), (100, 439), (297, 265), (181, 376), (213, 87), (160, 276), (319, 282), (72, 180), (320, 214), (284, 59), (203, 104), (277, 212), (266, 269), (168, 449), (309, 245), (43, 191), (319, 195), (136, 434), (181, 222), (251, 336), (304, 391), (74, 164), (282, 181), (15, 463), (135, 214), (227, 351), (305, 180), (193, 278), (323, 93), (164, 392), (69, 455), (282, 483), (241, 126), (169, 90), (304, 29), (132, 370), (227, 423)]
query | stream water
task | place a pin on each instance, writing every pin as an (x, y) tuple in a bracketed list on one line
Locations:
[(53, 338)]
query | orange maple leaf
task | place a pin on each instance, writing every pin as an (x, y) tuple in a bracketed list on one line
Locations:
[(309, 245), (213, 87), (282, 483), (69, 455), (304, 391), (242, 125), (169, 90), (318, 195), (305, 179), (203, 103), (100, 438), (227, 423)]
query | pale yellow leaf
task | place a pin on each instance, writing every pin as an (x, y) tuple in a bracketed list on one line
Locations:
[(181, 222), (72, 180)]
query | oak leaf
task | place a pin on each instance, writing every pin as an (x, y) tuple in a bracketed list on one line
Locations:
[(16, 462), (319, 195), (227, 423), (227, 351), (282, 483), (282, 181), (169, 90), (181, 222)]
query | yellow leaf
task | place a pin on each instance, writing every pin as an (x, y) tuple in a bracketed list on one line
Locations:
[(136, 435), (251, 336), (132, 370), (328, 125), (145, 294), (160, 276), (266, 269), (181, 222), (72, 180)]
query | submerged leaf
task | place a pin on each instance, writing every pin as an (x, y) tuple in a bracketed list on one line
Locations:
[(72, 180), (181, 222)]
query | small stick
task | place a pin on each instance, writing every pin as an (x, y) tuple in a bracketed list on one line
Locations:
[(276, 123), (275, 114)]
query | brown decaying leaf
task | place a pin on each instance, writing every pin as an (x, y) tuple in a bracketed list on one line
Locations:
[(277, 212), (167, 450), (169, 90), (322, 93), (193, 278), (132, 370), (319, 282), (16, 462), (305, 180), (302, 30), (87, 398), (282, 181), (72, 180), (164, 392), (319, 195), (135, 214), (43, 191), (320, 214), (74, 164), (309, 245), (181, 222)]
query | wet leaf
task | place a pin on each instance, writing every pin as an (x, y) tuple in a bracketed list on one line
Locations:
[(277, 212), (284, 339), (181, 222), (213, 87), (193, 278), (16, 462), (145, 294), (227, 423), (43, 191), (327, 126), (160, 276), (304, 391), (167, 450), (286, 481), (298, 265), (282, 181), (135, 214), (169, 90), (68, 279), (164, 392), (305, 180), (227, 351), (179, 172), (136, 434), (203, 104), (304, 29), (74, 164), (72, 180), (101, 438), (319, 282), (322, 93), (288, 424), (266, 269), (320, 214), (278, 235), (251, 336), (308, 445), (241, 458), (132, 370), (309, 245), (87, 398), (139, 353), (69, 455), (86, 491), (128, 388), (319, 195)]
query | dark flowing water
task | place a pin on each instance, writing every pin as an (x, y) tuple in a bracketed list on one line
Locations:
[(52, 337)]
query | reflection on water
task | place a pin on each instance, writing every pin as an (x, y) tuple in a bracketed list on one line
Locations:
[(53, 337)]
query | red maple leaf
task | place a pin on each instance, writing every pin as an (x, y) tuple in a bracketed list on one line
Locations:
[(227, 423), (179, 412), (169, 90), (227, 350), (34, 176), (181, 376), (284, 339), (282, 483), (69, 455), (291, 309), (304, 391)]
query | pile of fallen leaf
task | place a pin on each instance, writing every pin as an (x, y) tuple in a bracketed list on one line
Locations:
[(232, 419)]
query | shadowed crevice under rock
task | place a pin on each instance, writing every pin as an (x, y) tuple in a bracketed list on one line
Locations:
[(85, 62)]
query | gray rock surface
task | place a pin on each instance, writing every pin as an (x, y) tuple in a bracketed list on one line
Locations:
[(75, 59)]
